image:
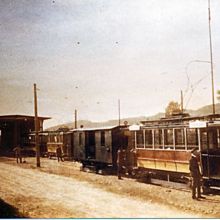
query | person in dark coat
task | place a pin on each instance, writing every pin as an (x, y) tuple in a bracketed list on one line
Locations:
[(18, 155), (59, 154), (195, 174), (119, 163)]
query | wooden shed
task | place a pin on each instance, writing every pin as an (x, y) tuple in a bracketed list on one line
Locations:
[(14, 130)]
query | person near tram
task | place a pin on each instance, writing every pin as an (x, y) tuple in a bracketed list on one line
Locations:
[(59, 154), (119, 163), (17, 151), (195, 174)]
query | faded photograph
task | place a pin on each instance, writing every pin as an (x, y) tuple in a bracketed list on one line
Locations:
[(109, 109)]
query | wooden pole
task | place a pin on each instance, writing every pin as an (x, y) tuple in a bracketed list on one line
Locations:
[(181, 101), (75, 119), (36, 123), (119, 113), (211, 59)]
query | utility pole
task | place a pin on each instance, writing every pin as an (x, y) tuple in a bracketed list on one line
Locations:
[(75, 119), (211, 59), (181, 103), (36, 123), (119, 113)]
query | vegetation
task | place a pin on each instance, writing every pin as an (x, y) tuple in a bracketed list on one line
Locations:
[(172, 108)]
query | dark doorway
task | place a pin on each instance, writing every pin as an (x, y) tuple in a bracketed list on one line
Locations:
[(90, 145)]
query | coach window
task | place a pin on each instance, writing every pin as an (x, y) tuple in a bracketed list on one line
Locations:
[(140, 139), (148, 139), (179, 139), (102, 138), (168, 138), (192, 138), (158, 139)]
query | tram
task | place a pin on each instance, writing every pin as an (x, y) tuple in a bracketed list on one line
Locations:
[(164, 146), (28, 143), (63, 139)]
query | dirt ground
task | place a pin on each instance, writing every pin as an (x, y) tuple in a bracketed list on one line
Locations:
[(61, 190)]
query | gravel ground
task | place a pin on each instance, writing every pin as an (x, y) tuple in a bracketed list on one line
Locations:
[(62, 190)]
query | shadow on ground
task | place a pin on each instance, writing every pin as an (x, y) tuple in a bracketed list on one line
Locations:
[(8, 211)]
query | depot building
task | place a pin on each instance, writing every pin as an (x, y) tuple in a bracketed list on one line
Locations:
[(14, 130)]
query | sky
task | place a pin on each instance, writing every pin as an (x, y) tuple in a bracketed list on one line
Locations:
[(88, 54)]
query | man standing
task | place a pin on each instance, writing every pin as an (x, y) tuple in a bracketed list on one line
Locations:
[(18, 156), (195, 174), (59, 154), (119, 163)]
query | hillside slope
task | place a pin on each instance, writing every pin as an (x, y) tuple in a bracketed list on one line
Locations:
[(205, 110)]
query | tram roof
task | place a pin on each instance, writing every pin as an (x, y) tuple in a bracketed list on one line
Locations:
[(181, 118)]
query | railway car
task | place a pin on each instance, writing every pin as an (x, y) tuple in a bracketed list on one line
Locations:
[(164, 146), (29, 146), (97, 147), (64, 139)]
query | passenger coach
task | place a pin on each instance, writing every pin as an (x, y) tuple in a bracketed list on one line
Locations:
[(98, 146)]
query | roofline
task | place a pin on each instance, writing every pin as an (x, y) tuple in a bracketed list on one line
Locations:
[(188, 118), (21, 117), (99, 128)]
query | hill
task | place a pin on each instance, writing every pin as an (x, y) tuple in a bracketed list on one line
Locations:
[(205, 110)]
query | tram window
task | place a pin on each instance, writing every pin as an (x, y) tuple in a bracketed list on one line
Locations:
[(102, 138), (192, 137), (57, 138), (140, 139), (148, 138), (158, 138), (48, 138), (51, 138), (213, 139), (61, 138), (218, 138), (168, 137), (54, 138), (179, 138), (204, 139)]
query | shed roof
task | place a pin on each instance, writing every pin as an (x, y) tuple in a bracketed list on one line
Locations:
[(20, 117)]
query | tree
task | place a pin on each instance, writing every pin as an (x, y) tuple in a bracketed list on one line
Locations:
[(173, 108)]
